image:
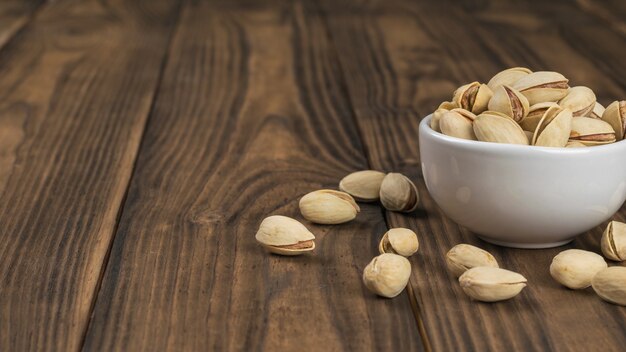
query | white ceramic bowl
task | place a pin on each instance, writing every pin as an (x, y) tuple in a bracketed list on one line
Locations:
[(523, 196)]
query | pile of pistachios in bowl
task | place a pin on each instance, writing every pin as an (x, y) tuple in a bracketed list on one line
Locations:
[(518, 106)]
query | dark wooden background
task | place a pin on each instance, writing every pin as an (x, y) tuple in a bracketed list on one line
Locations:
[(142, 142)]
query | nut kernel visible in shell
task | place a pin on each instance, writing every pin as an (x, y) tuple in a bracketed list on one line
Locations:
[(610, 284), (615, 115), (387, 274), (510, 102), (328, 207), (473, 97), (492, 126), (574, 268), (591, 131), (363, 185), (398, 193), (507, 77), (542, 86), (463, 257), (580, 100), (554, 128), (489, 284), (613, 242), (399, 241), (457, 123), (535, 115), (283, 235)]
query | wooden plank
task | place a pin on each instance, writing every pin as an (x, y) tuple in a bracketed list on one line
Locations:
[(251, 116), (76, 87), (401, 59), (14, 14)]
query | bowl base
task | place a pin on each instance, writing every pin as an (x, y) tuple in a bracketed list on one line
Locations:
[(526, 245)]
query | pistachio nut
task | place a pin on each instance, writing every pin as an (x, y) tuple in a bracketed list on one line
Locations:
[(434, 121), (580, 100), (283, 235), (591, 131), (463, 257), (574, 144), (399, 241), (328, 207), (613, 242), (363, 185), (574, 268), (387, 274), (492, 126), (473, 97), (510, 102), (448, 105), (398, 193), (457, 123), (554, 128), (597, 111), (615, 115), (490, 284), (610, 284), (535, 114), (507, 77), (542, 86)]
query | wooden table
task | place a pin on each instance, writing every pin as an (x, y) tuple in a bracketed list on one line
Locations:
[(142, 142)]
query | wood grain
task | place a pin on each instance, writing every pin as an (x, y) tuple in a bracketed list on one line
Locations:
[(250, 116), (14, 14), (400, 59), (76, 86)]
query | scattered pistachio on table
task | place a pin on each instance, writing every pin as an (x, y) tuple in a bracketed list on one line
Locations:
[(387, 274), (398, 193), (364, 185), (463, 257), (610, 284), (328, 206), (519, 106), (399, 241), (574, 268), (283, 235), (488, 284), (613, 242)]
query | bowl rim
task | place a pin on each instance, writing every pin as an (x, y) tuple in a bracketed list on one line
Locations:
[(480, 146)]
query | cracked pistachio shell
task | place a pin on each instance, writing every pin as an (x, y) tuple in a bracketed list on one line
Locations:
[(490, 284), (554, 129), (363, 185), (542, 86), (463, 257), (283, 235), (574, 144), (615, 115), (473, 97), (328, 207), (387, 274), (398, 193), (580, 100), (613, 241), (535, 114), (510, 102), (458, 123), (399, 241), (448, 105), (496, 127), (591, 131), (610, 284), (507, 77), (574, 268), (597, 111)]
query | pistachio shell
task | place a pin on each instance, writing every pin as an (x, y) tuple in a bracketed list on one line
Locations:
[(510, 102), (489, 284), (398, 193), (591, 131), (615, 115), (448, 105), (457, 123), (463, 257), (434, 121), (283, 235), (328, 207), (363, 185), (507, 77), (473, 97), (574, 268), (613, 242), (496, 127), (610, 284), (580, 100), (535, 114), (554, 129), (387, 274), (542, 86), (597, 111), (399, 241)]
